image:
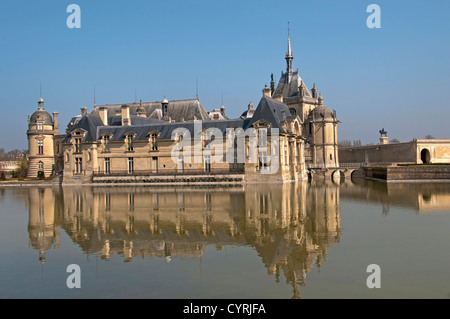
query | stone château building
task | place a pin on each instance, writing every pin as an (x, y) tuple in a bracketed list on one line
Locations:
[(43, 143), (289, 131)]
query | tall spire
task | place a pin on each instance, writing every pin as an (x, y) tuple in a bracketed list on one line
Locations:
[(289, 58)]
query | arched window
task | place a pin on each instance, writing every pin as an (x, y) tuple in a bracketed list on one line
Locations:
[(41, 166)]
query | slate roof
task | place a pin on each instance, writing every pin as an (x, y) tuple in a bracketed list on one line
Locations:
[(177, 110), (166, 129), (272, 111), (41, 115), (268, 109), (291, 88)]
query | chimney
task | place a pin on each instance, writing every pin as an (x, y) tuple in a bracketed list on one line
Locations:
[(272, 84), (314, 91), (55, 122), (126, 115), (140, 110), (279, 98), (103, 113), (266, 92), (83, 111)]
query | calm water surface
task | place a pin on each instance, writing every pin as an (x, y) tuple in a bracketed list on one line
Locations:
[(263, 241)]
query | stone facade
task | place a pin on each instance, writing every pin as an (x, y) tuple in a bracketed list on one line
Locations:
[(43, 143), (289, 129), (431, 151)]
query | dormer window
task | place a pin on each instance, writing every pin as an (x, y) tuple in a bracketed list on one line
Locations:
[(154, 141), (206, 138), (129, 142), (106, 143), (262, 135), (77, 144), (40, 126)]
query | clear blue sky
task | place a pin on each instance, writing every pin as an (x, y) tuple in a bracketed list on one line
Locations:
[(396, 77)]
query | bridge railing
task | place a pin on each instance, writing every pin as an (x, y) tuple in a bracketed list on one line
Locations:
[(330, 166)]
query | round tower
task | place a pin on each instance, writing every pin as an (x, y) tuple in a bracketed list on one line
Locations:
[(41, 133), (321, 128)]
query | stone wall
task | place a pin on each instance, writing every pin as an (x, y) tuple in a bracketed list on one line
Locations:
[(409, 173)]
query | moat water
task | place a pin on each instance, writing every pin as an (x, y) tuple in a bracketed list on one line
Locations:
[(305, 240)]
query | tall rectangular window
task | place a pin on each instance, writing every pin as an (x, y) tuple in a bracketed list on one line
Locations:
[(40, 126), (130, 165), (78, 145), (40, 144), (208, 163), (180, 164), (106, 143), (78, 165), (263, 161), (154, 165), (107, 165), (129, 143), (154, 142)]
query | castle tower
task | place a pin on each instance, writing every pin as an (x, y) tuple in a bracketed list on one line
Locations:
[(321, 131), (41, 132)]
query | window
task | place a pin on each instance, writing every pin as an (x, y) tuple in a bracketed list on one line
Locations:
[(263, 161), (130, 143), (293, 112), (106, 143), (208, 163), (154, 142), (78, 165), (180, 164), (40, 126), (154, 164), (107, 165), (40, 144), (262, 137), (40, 166), (206, 138), (78, 145), (130, 165)]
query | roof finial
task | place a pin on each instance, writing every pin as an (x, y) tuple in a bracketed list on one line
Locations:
[(289, 58), (196, 87)]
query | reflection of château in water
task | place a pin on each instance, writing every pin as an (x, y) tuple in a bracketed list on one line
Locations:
[(422, 197), (291, 226)]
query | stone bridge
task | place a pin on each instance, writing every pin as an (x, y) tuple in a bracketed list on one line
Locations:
[(344, 170)]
